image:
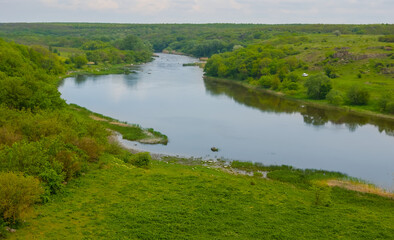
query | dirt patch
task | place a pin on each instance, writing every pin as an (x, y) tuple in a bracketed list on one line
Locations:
[(359, 187), (120, 124), (151, 140), (105, 120), (98, 118), (237, 171)]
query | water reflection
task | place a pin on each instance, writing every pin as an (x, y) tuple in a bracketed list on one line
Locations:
[(81, 79), (312, 115)]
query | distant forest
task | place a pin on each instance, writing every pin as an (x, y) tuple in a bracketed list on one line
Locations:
[(200, 40)]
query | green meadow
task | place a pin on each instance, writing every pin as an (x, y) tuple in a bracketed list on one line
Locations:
[(168, 200)]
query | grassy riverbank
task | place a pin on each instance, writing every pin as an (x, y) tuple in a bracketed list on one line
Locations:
[(130, 132), (316, 103), (101, 69), (115, 200), (350, 71)]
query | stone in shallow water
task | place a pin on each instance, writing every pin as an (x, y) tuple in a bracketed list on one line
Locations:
[(214, 149)]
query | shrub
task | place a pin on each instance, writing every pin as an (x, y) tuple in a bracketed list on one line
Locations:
[(17, 195), (3, 231), (386, 103), (318, 86), (266, 81), (24, 157), (9, 136), (275, 83), (390, 107), (357, 95), (322, 196), (52, 179), (90, 147), (142, 159), (71, 165), (335, 97), (337, 33), (293, 77), (290, 85), (79, 60), (330, 72), (387, 38)]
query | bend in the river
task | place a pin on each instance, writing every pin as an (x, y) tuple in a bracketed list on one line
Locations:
[(247, 125)]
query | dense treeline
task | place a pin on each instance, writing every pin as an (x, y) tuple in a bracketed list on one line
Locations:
[(254, 62), (129, 49), (44, 143), (195, 39), (125, 48), (27, 77)]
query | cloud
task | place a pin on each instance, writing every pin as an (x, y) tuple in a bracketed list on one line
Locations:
[(82, 4), (199, 11), (150, 6), (221, 5)]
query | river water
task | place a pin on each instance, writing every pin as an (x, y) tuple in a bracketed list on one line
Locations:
[(246, 125)]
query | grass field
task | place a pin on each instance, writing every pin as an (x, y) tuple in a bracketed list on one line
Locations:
[(356, 67), (175, 201)]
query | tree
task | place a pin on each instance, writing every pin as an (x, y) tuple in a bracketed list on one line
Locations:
[(335, 97), (79, 60), (131, 42), (357, 95), (330, 72), (17, 195), (318, 86)]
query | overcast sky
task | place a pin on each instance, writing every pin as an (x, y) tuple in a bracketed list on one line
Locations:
[(198, 11)]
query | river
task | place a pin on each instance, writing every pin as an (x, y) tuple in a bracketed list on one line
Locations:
[(246, 125)]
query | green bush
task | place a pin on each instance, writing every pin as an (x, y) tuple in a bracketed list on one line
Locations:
[(387, 38), (141, 159), (70, 163), (275, 83), (390, 107), (52, 179), (3, 232), (386, 103), (79, 60), (293, 77), (265, 81), (322, 196), (17, 195), (9, 136), (24, 157), (290, 85), (51, 160), (357, 95), (330, 72), (318, 86), (335, 97), (90, 147)]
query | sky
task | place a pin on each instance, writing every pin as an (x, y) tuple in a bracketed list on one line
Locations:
[(199, 11)]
